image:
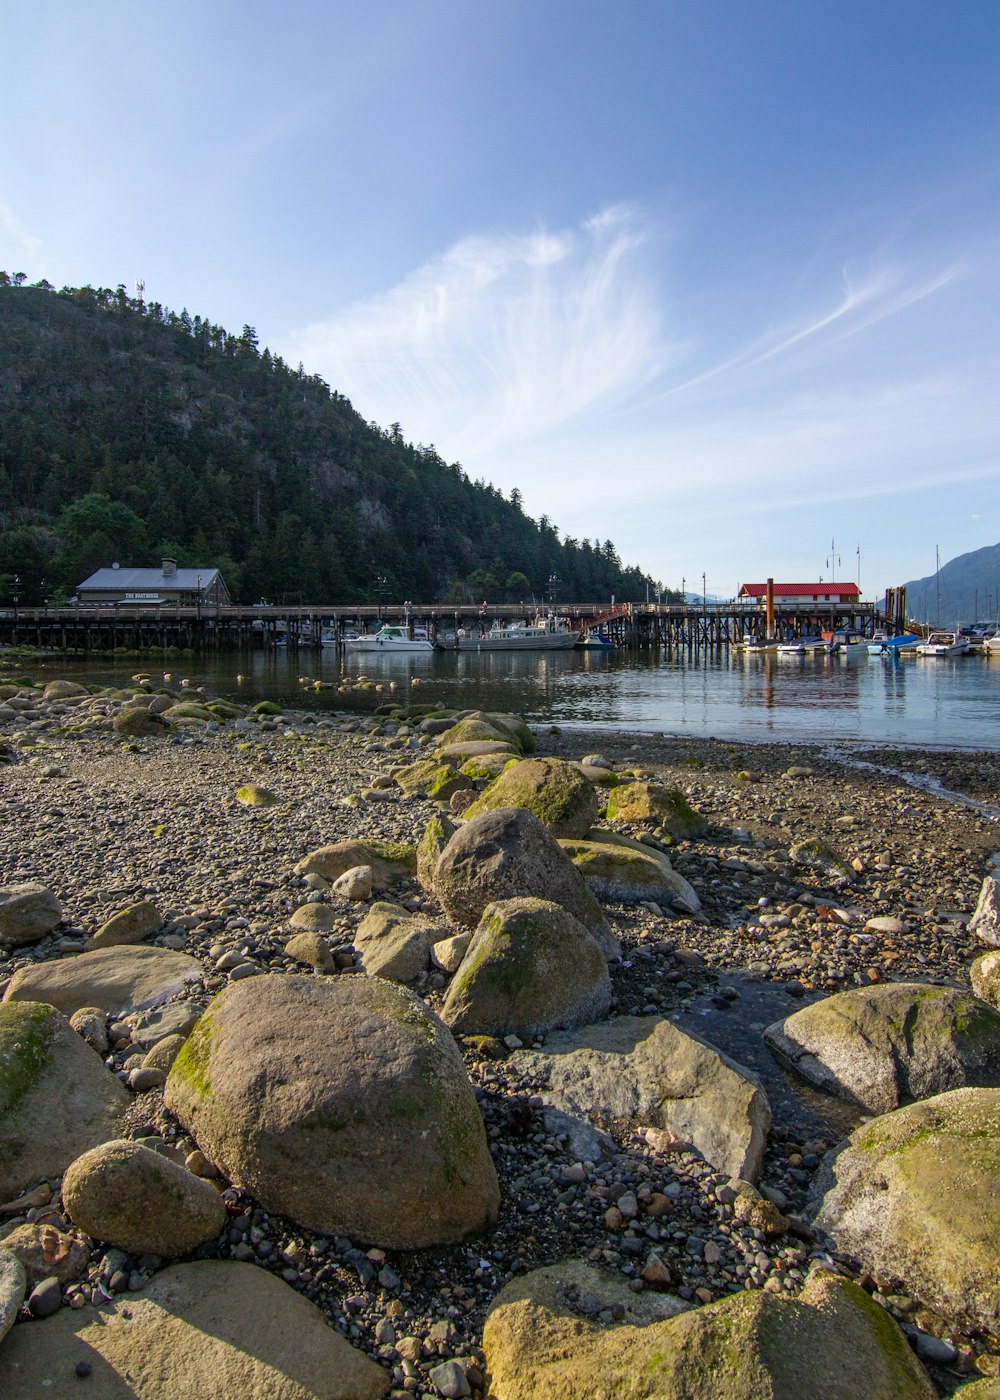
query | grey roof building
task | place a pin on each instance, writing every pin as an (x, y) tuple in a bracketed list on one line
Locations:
[(167, 584)]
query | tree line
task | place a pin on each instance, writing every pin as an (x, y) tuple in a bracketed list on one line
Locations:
[(134, 432)]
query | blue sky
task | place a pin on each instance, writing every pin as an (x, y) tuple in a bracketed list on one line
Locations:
[(717, 280)]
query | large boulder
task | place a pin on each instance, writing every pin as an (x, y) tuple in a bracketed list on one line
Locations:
[(56, 1097), (474, 729), (556, 791), (542, 1341), (617, 868), (390, 861), (884, 1046), (393, 943), (507, 854), (436, 835), (46, 1252), (117, 980), (668, 807), (823, 859), (915, 1195), (139, 724), (531, 967), (341, 1102), (645, 1071), (211, 1328), (27, 913), (126, 1195)]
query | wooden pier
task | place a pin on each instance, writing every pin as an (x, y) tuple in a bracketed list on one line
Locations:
[(136, 628)]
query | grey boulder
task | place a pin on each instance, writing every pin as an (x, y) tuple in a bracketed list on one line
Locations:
[(342, 1103), (887, 1045), (27, 913), (531, 967), (116, 980), (644, 1070)]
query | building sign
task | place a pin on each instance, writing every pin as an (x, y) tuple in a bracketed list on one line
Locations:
[(142, 597)]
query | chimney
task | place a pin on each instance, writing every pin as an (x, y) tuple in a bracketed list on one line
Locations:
[(169, 568)]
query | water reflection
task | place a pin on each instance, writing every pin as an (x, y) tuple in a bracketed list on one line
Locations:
[(727, 694)]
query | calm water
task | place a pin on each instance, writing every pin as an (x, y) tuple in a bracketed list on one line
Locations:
[(940, 703)]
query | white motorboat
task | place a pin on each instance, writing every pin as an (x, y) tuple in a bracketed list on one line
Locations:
[(943, 644), (388, 639), (543, 634), (798, 646)]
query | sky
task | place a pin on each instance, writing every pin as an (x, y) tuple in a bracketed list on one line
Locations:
[(716, 279)]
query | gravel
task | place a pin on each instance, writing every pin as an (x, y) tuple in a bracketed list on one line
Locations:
[(106, 822)]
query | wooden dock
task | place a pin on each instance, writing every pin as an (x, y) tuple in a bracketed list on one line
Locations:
[(136, 628)]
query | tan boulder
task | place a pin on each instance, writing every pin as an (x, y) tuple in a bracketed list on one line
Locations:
[(313, 918), (915, 1195), (390, 861), (342, 1103), (131, 925), (124, 1194), (211, 1328), (393, 943), (311, 949), (647, 802), (117, 980)]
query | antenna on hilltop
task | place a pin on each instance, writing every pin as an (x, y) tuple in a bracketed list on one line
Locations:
[(140, 287)]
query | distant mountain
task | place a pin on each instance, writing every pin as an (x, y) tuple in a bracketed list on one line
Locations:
[(967, 589), (132, 433)]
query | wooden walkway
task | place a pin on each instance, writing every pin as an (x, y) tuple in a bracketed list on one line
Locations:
[(85, 630)]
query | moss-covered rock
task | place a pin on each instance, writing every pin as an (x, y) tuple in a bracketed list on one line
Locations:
[(471, 730), (266, 707), (436, 835), (139, 724), (654, 802), (486, 766), (530, 968), (555, 791), (390, 861), (56, 1097), (191, 709), (617, 868), (984, 974), (884, 1046), (832, 1340), (437, 780), (915, 1195), (515, 727), (250, 795), (309, 1092)]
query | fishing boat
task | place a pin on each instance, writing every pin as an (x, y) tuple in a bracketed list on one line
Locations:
[(543, 634), (593, 641), (388, 638), (943, 644), (757, 646)]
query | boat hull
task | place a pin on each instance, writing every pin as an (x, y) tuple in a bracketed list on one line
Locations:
[(548, 641)]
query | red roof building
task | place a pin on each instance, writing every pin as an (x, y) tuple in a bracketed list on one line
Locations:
[(802, 594)]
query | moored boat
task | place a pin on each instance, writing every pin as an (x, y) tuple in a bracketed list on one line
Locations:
[(882, 644), (943, 644), (543, 634), (388, 638), (798, 646)]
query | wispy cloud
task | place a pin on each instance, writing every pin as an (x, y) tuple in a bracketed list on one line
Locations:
[(501, 339), (26, 246)]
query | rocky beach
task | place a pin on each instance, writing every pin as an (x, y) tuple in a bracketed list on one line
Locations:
[(439, 1045)]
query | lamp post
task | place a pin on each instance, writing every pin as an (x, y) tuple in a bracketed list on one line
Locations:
[(704, 595), (381, 583), (17, 596), (199, 597), (684, 596)]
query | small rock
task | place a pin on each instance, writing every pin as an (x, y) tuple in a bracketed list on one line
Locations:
[(45, 1299)]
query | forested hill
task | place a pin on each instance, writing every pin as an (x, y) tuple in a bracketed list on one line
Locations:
[(132, 433)]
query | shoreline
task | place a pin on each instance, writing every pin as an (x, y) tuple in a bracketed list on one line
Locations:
[(105, 822)]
